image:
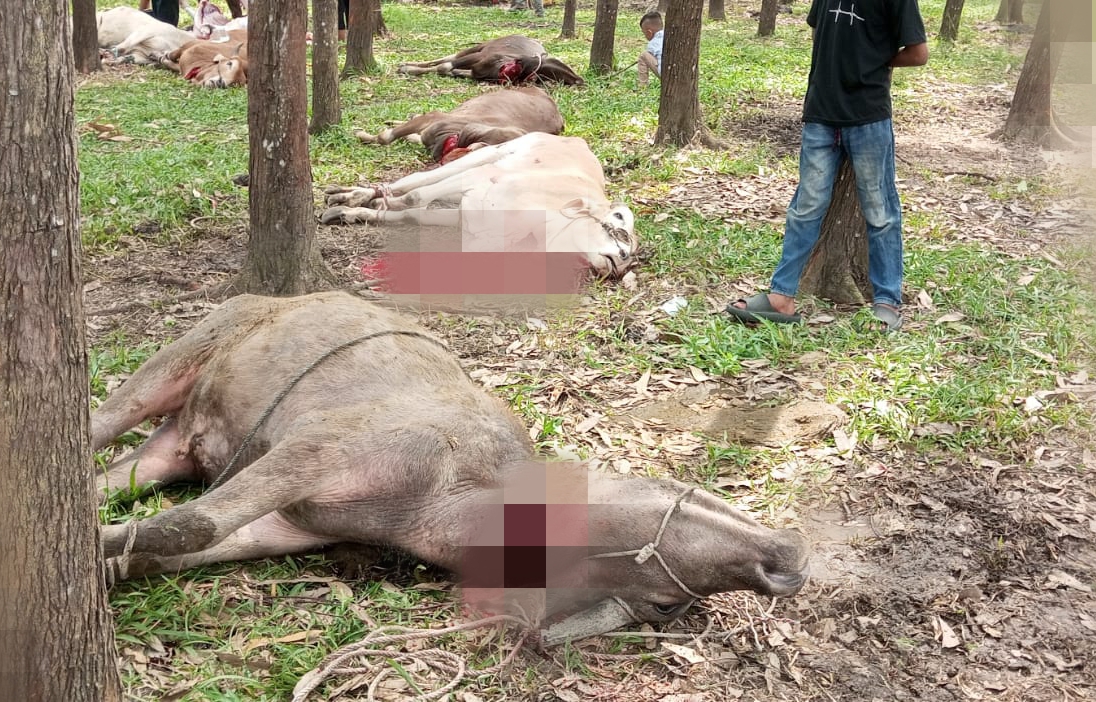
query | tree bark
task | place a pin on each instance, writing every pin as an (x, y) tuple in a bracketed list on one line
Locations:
[(949, 25), (361, 26), (326, 107), (716, 10), (282, 255), (85, 36), (1010, 12), (56, 638), (235, 8), (663, 6), (679, 118), (570, 8), (838, 266), (601, 50), (1031, 116), (766, 23)]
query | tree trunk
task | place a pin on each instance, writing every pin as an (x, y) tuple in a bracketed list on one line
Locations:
[(381, 29), (361, 25), (716, 11), (282, 255), (949, 25), (766, 24), (56, 638), (235, 8), (601, 50), (85, 36), (1010, 12), (663, 6), (326, 108), (838, 268), (1031, 116), (679, 119), (570, 7)]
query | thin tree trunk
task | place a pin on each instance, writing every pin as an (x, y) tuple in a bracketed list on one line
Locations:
[(235, 7), (679, 118), (570, 7), (85, 36), (601, 50), (282, 255), (326, 107), (838, 267), (766, 24), (716, 11), (663, 6), (56, 638), (949, 25), (1031, 116), (361, 26)]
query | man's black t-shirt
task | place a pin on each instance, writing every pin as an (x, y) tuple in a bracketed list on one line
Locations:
[(854, 43)]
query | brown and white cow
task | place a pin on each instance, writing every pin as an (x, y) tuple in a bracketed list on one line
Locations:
[(509, 59), (134, 36), (539, 190), (491, 118), (212, 63)]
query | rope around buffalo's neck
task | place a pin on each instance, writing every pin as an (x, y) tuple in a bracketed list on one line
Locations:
[(642, 555), (226, 473)]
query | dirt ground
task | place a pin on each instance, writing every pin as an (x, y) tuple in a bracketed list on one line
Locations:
[(933, 578)]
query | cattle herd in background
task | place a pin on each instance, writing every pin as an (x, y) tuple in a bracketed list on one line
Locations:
[(566, 178)]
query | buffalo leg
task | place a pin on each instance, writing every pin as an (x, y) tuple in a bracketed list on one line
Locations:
[(277, 480), (268, 536), (157, 460)]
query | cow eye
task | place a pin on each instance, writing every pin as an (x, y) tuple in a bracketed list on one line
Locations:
[(619, 216), (666, 610)]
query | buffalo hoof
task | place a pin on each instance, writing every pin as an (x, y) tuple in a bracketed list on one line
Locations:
[(351, 197)]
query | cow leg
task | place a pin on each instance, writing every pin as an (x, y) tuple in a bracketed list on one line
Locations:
[(442, 69), (155, 461), (268, 536), (291, 472), (415, 125), (351, 197), (365, 215)]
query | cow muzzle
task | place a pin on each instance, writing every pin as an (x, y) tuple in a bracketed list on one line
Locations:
[(607, 615)]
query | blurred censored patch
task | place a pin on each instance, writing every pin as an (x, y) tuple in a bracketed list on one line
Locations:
[(500, 257), (528, 550)]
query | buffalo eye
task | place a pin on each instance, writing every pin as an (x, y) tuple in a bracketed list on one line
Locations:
[(666, 610)]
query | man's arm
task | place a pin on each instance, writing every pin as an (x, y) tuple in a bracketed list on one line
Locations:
[(912, 55)]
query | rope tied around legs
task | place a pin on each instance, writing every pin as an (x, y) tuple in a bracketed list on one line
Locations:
[(642, 555), (352, 659)]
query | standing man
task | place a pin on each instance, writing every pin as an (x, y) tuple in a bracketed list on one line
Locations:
[(163, 10), (522, 5), (847, 112), (651, 59)]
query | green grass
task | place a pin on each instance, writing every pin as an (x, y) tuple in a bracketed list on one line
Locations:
[(1014, 338)]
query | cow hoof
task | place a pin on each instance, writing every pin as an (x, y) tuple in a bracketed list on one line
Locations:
[(351, 197), (333, 215)]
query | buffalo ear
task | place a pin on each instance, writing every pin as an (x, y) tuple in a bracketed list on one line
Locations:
[(578, 207)]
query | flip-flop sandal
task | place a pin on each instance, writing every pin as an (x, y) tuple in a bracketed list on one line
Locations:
[(759, 308), (887, 315)]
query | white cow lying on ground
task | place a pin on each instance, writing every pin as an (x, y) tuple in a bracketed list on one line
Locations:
[(128, 32), (539, 188)]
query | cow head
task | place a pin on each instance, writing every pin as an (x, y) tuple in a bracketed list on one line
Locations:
[(224, 72), (546, 69), (609, 248)]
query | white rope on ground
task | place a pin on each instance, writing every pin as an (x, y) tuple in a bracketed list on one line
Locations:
[(352, 659)]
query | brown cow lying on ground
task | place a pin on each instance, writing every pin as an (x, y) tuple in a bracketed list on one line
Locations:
[(132, 35), (211, 63), (541, 186), (491, 118), (510, 59), (386, 440)]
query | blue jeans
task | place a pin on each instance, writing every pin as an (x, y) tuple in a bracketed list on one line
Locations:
[(870, 147)]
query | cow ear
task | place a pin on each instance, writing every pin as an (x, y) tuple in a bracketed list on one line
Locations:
[(579, 207)]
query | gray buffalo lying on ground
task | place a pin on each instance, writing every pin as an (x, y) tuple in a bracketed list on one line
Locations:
[(491, 118), (326, 419), (138, 37), (539, 191), (509, 59)]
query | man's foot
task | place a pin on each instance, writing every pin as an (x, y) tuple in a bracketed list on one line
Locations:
[(889, 315), (772, 307)]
